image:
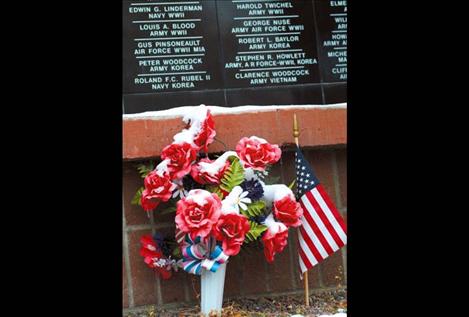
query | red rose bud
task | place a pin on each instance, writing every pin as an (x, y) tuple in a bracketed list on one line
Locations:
[(288, 211), (147, 242), (257, 153), (198, 213), (274, 238), (231, 229), (164, 273), (180, 158), (147, 201), (207, 133)]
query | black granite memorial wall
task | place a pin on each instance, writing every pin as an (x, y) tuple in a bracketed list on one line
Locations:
[(233, 52)]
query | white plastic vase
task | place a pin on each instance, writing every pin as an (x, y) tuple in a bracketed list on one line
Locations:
[(212, 290)]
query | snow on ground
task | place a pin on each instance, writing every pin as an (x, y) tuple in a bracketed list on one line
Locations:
[(216, 110)]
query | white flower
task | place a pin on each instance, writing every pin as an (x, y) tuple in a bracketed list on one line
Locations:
[(237, 198), (179, 191)]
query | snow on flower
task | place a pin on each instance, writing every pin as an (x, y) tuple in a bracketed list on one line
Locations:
[(204, 177), (275, 238), (257, 153), (198, 212), (214, 167), (180, 156), (275, 192), (205, 207), (201, 130)]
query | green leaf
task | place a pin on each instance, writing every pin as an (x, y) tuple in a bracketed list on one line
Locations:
[(145, 169), (254, 209), (255, 231), (233, 176), (138, 195), (215, 190), (292, 184), (177, 252)]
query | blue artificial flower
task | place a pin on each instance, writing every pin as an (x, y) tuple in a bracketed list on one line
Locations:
[(254, 189), (259, 219), (162, 243)]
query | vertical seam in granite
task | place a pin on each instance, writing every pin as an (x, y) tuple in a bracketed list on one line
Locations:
[(318, 45)]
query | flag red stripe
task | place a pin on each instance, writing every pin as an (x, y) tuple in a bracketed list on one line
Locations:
[(315, 228), (305, 259), (310, 244), (331, 206), (324, 219)]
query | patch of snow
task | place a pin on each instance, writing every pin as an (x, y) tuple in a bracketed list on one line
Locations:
[(275, 192), (273, 225), (198, 196), (215, 166), (188, 111), (163, 166), (185, 136), (258, 139), (195, 117), (249, 174)]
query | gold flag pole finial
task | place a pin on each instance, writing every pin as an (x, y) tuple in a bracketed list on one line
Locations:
[(296, 131), (296, 134)]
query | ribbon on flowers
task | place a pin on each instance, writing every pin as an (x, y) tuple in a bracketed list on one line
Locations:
[(195, 256)]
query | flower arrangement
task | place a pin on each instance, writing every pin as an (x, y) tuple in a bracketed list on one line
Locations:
[(221, 203)]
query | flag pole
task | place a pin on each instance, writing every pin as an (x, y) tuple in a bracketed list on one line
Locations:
[(296, 134)]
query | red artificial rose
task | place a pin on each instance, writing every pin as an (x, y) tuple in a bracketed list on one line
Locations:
[(147, 201), (158, 187), (288, 211), (198, 213), (149, 250), (151, 253), (180, 157), (257, 153), (275, 239), (201, 176), (231, 229), (148, 243), (207, 133)]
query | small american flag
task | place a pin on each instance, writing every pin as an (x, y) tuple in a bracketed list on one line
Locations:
[(323, 230)]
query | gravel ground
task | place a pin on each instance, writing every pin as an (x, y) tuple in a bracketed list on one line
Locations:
[(326, 302)]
